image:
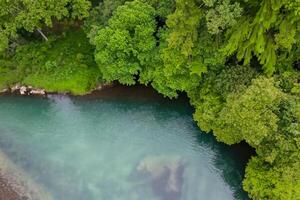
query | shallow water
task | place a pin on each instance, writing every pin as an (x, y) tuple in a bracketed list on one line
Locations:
[(93, 149)]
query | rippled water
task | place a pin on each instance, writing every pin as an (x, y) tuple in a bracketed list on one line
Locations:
[(80, 149)]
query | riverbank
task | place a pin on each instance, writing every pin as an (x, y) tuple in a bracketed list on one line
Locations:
[(27, 90), (15, 184), (7, 192), (106, 91)]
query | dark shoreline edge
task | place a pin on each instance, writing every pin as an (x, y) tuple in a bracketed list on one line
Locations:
[(106, 91)]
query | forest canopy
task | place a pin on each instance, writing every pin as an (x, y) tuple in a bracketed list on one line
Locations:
[(238, 61)]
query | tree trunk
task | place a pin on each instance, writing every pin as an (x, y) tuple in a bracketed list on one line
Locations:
[(42, 34)]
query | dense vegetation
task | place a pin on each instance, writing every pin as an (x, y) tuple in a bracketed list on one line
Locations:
[(237, 60)]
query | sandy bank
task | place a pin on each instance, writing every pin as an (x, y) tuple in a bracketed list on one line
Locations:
[(15, 184)]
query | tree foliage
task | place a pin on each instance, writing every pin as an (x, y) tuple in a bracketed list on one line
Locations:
[(265, 117), (16, 15), (211, 96), (124, 48), (268, 32), (261, 177), (238, 61)]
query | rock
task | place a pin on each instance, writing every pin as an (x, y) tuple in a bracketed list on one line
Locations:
[(5, 90), (23, 90), (15, 87), (165, 174), (99, 87), (105, 85), (37, 92)]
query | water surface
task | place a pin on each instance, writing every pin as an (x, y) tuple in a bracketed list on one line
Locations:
[(117, 149)]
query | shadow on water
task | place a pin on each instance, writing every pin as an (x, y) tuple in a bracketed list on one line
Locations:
[(167, 180), (238, 155)]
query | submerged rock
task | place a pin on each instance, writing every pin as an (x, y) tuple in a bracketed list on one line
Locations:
[(166, 175)]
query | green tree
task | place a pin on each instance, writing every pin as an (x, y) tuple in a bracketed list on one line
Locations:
[(125, 47), (235, 108), (278, 182), (101, 13), (16, 15), (222, 15), (250, 115), (163, 7), (215, 90), (268, 31), (187, 49)]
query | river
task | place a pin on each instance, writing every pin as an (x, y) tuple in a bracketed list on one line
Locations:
[(118, 147)]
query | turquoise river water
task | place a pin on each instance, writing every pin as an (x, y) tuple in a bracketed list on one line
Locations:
[(117, 149)]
